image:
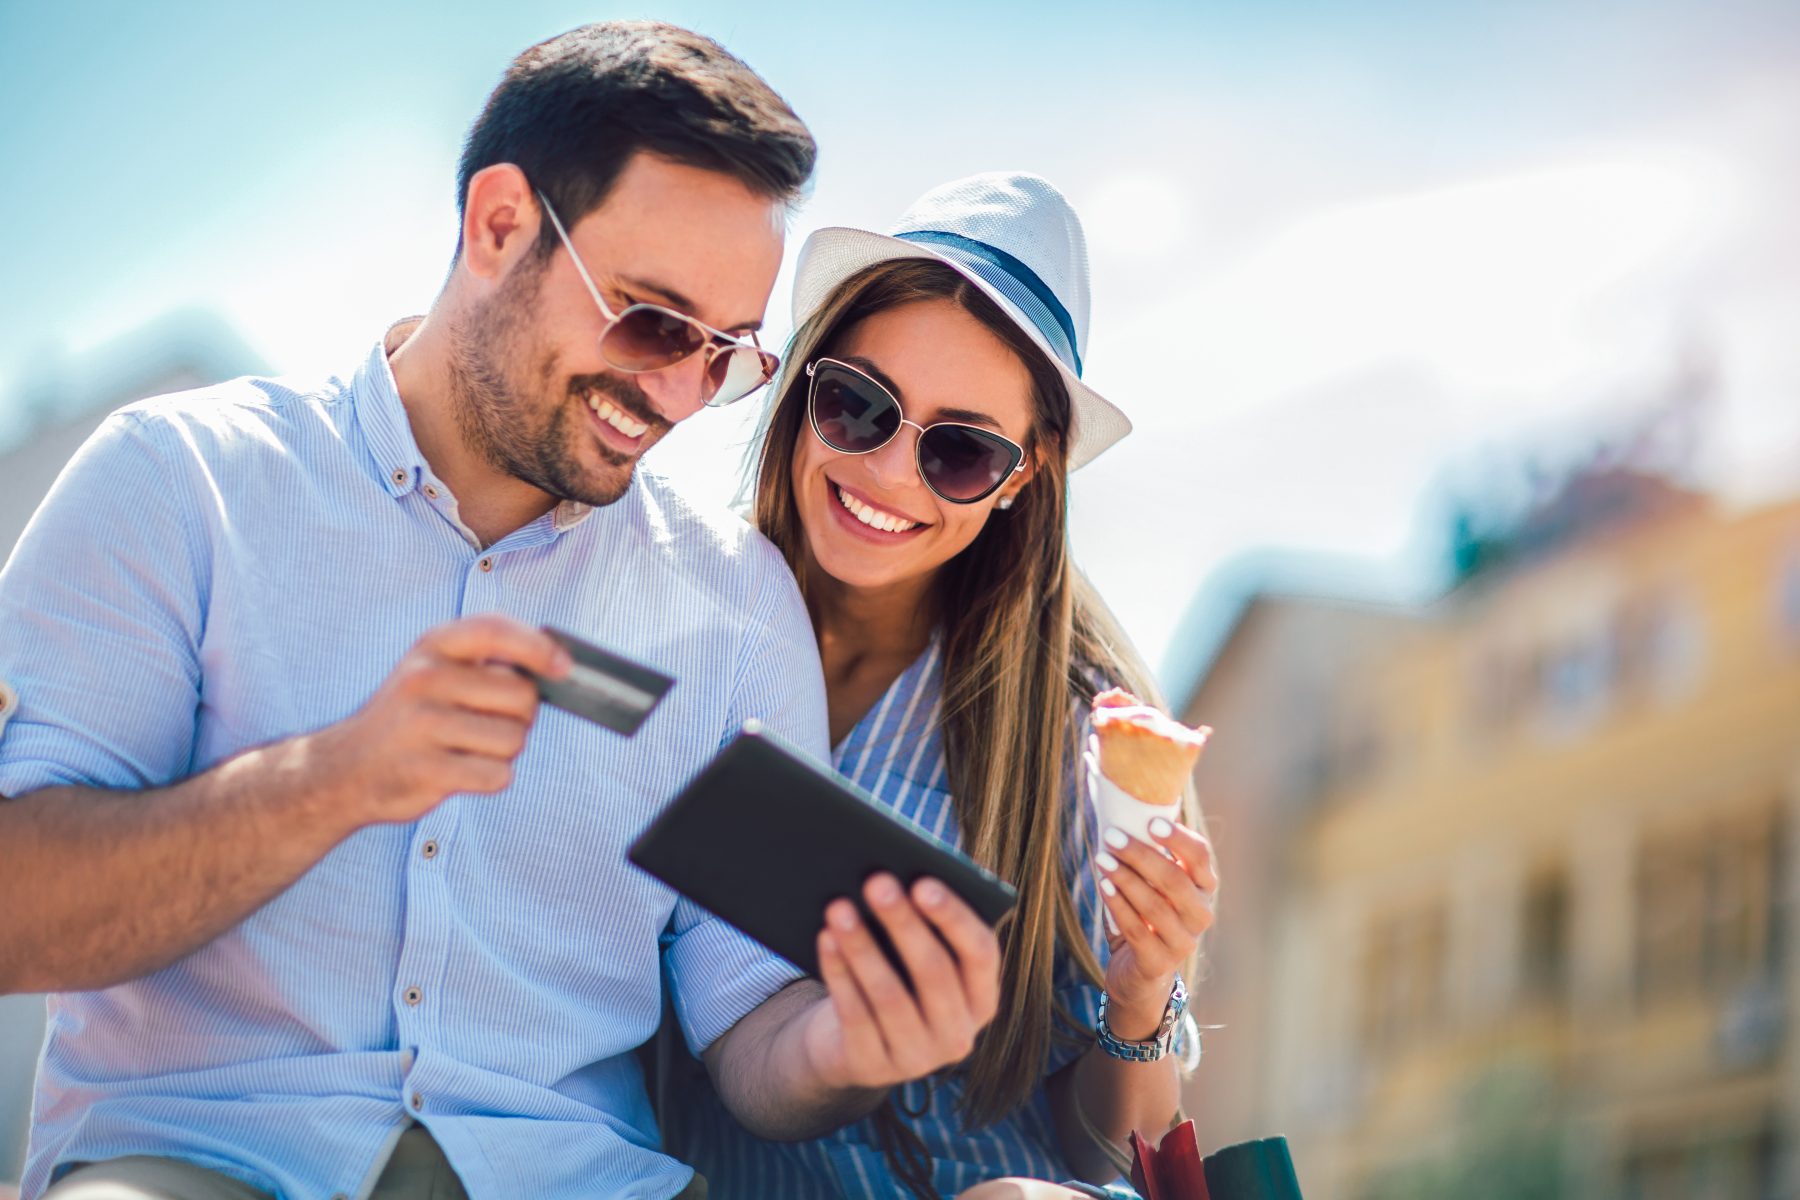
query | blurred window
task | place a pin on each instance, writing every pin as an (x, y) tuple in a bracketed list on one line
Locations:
[(1357, 747), (1787, 597), (1403, 977), (1661, 645), (1651, 648), (1706, 907), (1575, 682), (1544, 937), (1501, 683), (1729, 1166), (1671, 889)]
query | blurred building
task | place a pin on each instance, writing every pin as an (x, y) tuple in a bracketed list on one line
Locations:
[(1507, 874), (64, 401)]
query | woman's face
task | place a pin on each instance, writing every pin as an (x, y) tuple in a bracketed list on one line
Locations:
[(943, 365)]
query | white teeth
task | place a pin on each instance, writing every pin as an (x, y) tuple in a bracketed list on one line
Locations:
[(872, 517), (612, 415)]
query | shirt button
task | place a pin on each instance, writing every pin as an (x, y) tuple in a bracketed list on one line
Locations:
[(428, 850), (431, 491), (418, 1101), (413, 995), (399, 476), (487, 564)]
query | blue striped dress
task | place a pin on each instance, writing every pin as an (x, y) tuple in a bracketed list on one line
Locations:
[(896, 754)]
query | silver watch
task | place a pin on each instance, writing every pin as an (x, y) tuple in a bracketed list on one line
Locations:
[(1157, 1044)]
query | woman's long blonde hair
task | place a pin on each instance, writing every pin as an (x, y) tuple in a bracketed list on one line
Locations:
[(1025, 640)]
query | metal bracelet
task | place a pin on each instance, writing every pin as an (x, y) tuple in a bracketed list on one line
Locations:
[(1154, 1047)]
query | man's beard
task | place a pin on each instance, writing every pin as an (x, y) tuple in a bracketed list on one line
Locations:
[(534, 442)]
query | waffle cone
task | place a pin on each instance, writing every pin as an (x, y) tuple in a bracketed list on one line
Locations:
[(1144, 750)]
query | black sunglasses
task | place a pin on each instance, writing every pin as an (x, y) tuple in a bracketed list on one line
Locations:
[(854, 414)]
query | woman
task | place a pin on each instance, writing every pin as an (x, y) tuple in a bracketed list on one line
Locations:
[(912, 469)]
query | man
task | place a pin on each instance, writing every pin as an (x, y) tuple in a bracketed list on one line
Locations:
[(322, 925)]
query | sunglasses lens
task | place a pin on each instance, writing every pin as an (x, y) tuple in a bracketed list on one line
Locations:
[(736, 372), (851, 416), (963, 464), (649, 339)]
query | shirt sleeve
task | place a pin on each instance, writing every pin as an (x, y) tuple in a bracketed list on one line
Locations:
[(101, 610), (717, 975), (1074, 994)]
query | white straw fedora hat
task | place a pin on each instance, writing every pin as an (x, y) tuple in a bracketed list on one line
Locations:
[(1017, 239)]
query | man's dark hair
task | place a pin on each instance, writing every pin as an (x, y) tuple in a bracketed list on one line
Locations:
[(571, 111)]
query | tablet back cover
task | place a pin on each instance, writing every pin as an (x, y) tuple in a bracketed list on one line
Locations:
[(766, 838)]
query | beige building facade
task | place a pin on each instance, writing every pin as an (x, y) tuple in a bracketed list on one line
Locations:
[(1507, 877)]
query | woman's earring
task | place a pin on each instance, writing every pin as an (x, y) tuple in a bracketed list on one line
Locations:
[(1005, 502)]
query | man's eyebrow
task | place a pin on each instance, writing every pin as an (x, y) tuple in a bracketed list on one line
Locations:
[(671, 298), (966, 416)]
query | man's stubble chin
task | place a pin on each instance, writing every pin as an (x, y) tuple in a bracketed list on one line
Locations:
[(613, 478), (537, 440), (557, 467)]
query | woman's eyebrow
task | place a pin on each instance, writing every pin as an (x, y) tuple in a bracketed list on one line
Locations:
[(965, 416), (874, 372)]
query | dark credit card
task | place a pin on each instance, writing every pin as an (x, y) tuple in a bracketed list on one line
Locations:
[(603, 687)]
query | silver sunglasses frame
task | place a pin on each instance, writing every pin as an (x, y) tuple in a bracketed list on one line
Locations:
[(717, 339), (812, 420)]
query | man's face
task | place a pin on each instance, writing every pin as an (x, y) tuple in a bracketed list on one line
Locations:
[(537, 400)]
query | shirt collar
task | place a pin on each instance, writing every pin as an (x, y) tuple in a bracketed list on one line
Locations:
[(383, 417), (389, 431)]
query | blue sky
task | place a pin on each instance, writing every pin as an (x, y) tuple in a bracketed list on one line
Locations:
[(1334, 245)]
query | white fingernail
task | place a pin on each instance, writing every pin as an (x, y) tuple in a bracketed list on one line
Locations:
[(1117, 838), (1160, 828), (1109, 887), (1107, 862)]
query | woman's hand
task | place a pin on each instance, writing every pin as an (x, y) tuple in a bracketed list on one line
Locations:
[(876, 1032), (1161, 907)]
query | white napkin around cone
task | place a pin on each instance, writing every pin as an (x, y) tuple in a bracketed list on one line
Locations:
[(1117, 808)]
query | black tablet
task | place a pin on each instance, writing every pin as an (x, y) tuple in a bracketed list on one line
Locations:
[(766, 838)]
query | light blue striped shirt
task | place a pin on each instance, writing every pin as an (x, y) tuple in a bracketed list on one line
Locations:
[(896, 752), (219, 569)]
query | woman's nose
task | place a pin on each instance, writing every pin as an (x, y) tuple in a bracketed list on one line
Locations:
[(895, 465)]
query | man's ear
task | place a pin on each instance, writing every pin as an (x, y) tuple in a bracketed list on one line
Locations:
[(500, 220)]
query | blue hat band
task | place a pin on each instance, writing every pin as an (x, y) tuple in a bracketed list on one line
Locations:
[(1012, 279)]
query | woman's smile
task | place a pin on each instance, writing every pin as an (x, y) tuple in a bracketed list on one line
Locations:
[(868, 518)]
